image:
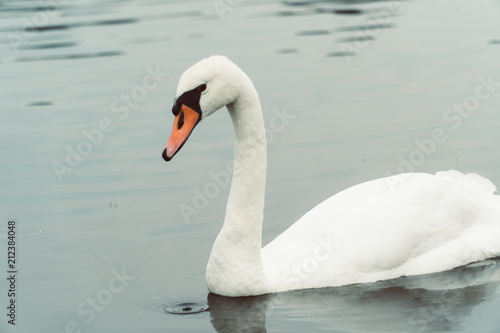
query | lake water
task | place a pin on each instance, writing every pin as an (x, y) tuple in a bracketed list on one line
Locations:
[(108, 235)]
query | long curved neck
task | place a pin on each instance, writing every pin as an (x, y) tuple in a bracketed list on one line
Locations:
[(235, 266), (244, 211)]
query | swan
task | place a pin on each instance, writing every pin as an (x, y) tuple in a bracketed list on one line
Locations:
[(407, 224)]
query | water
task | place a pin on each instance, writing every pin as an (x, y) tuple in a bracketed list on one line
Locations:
[(109, 235)]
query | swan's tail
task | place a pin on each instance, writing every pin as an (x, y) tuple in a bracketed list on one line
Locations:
[(470, 180)]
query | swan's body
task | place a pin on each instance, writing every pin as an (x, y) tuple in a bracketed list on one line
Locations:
[(402, 225)]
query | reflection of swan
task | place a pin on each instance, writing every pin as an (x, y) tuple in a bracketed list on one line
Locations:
[(436, 302), (238, 314), (402, 225)]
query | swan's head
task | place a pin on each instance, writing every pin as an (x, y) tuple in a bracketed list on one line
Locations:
[(203, 89)]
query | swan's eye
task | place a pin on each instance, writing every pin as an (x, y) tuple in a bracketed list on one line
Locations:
[(202, 87)]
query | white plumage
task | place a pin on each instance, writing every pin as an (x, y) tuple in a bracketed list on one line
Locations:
[(406, 224), (402, 225)]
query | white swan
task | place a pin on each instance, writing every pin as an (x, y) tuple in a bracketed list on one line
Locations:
[(407, 224)]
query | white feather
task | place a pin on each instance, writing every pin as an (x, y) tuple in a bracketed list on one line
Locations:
[(406, 224)]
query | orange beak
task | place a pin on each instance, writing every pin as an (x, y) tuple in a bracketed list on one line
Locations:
[(184, 123)]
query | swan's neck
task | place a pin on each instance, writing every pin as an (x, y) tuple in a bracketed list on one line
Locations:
[(235, 266)]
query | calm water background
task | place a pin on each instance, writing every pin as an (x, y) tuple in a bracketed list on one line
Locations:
[(364, 84)]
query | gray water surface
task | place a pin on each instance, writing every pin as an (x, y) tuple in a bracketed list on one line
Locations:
[(108, 234)]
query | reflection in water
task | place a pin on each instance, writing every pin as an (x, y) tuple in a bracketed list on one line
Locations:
[(71, 56), (356, 39), (82, 24), (40, 103), (97, 51), (50, 45), (427, 303), (348, 11), (239, 314), (341, 54), (31, 23), (356, 34), (39, 27), (365, 27), (288, 50), (313, 32)]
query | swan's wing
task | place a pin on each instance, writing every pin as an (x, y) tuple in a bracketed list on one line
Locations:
[(385, 228)]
